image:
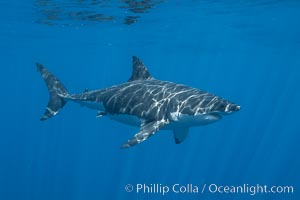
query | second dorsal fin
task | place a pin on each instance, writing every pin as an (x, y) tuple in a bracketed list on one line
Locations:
[(139, 70)]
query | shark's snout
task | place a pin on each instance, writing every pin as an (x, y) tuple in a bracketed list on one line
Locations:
[(232, 108), (224, 107)]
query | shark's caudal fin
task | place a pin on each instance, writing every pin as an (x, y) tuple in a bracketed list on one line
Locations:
[(56, 90)]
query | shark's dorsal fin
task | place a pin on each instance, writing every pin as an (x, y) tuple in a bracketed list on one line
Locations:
[(139, 70)]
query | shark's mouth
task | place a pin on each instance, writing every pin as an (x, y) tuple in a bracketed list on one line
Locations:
[(216, 115)]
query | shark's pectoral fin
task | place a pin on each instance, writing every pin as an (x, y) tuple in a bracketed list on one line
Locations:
[(180, 134), (147, 130)]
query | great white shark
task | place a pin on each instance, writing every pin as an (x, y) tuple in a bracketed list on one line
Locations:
[(145, 102)]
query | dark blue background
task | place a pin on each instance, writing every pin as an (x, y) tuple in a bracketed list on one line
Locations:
[(245, 51)]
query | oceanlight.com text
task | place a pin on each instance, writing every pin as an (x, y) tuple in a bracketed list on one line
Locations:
[(249, 189)]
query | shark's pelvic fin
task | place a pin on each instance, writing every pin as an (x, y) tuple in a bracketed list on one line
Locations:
[(180, 134), (56, 90), (147, 130), (100, 114), (139, 70)]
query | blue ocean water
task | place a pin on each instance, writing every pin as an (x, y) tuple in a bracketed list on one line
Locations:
[(245, 51)]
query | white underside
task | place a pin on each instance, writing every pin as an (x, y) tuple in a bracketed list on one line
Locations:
[(127, 119), (91, 105), (177, 119), (182, 121)]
